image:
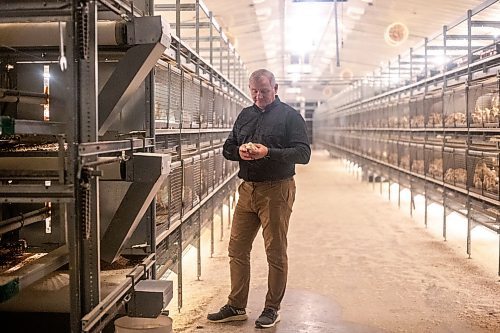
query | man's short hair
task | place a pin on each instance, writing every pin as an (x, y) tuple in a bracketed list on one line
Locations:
[(263, 73)]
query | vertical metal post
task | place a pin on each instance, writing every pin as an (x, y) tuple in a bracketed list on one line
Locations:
[(212, 231), (425, 208), (178, 31), (222, 220), (179, 269), (197, 34), (426, 60), (411, 64), (211, 18), (445, 31), (337, 52), (198, 246), (444, 215), (469, 45)]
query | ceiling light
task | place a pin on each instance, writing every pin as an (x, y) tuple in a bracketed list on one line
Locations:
[(396, 33)]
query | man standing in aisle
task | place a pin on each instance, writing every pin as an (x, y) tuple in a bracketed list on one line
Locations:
[(268, 139)]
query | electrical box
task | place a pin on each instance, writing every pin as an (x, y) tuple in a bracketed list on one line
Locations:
[(150, 298)]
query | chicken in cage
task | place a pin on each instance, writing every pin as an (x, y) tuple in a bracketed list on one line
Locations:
[(486, 109), (455, 119), (436, 168), (417, 166), (455, 176), (485, 178)]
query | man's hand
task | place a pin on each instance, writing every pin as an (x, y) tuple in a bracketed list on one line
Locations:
[(252, 151)]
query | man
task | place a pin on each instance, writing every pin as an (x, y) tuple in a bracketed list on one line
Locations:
[(268, 139)]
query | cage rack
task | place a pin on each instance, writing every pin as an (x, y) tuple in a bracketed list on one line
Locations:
[(455, 108)]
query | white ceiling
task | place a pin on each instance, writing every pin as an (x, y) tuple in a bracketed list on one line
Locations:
[(268, 33)]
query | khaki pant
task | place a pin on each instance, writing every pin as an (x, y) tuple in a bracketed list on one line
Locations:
[(268, 204)]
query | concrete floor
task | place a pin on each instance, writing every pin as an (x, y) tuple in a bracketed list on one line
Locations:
[(357, 264)]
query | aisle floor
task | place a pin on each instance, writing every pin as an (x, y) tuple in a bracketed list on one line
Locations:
[(357, 264)]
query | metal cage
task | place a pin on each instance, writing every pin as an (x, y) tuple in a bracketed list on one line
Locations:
[(174, 97), (434, 158), (433, 109), (161, 96), (417, 116), (191, 102), (207, 106), (484, 171), (484, 104), (417, 158), (454, 108), (455, 166), (175, 192), (218, 108)]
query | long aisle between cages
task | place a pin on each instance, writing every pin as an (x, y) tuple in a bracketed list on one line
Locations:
[(357, 263)]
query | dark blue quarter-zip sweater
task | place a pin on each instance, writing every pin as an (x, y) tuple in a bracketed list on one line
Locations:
[(281, 129)]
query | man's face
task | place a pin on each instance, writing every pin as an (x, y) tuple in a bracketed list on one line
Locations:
[(263, 93)]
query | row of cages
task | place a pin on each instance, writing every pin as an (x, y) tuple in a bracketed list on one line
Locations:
[(469, 164), (180, 145), (478, 211), (190, 230), (464, 106), (183, 100), (190, 181)]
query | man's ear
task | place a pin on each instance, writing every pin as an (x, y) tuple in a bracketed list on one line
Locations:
[(275, 88)]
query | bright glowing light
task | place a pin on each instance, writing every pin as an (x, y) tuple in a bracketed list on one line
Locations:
[(440, 60), (304, 28), (295, 77)]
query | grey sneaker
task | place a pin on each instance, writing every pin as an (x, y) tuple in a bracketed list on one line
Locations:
[(227, 313), (268, 318)]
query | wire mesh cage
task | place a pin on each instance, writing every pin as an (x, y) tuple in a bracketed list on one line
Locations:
[(454, 108), (175, 192), (161, 96), (233, 112), (189, 144), (206, 106), (392, 115), (219, 167), (484, 214), (384, 114), (417, 116), (206, 213), (455, 166), (433, 109), (484, 104), (205, 141), (226, 110), (403, 111), (417, 158), (191, 102), (434, 158), (378, 115), (188, 190), (167, 251), (484, 164), (168, 144), (196, 179), (392, 157), (218, 108), (404, 155), (162, 202), (190, 230), (174, 97)]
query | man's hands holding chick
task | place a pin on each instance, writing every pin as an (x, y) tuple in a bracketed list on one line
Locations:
[(252, 151)]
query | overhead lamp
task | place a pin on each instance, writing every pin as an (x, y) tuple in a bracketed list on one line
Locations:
[(396, 33)]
